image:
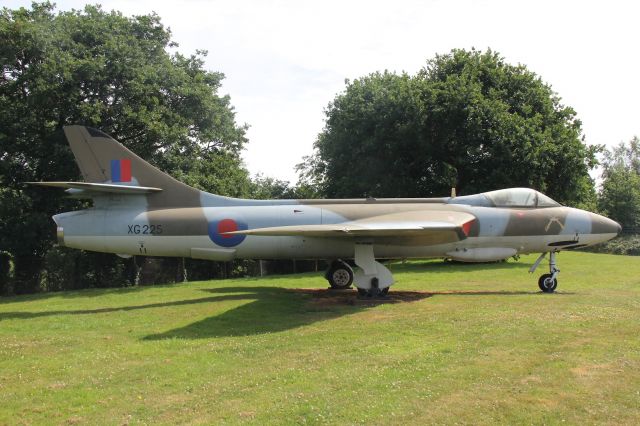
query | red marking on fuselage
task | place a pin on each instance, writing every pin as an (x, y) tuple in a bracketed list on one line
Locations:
[(466, 227), (227, 225)]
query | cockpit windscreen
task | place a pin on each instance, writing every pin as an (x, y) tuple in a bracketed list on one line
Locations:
[(511, 197)]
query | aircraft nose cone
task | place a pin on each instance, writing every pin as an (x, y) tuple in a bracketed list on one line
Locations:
[(613, 226), (604, 225)]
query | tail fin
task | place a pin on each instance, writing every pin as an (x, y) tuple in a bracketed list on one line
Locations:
[(104, 160)]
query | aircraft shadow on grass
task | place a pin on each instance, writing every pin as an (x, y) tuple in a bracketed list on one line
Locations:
[(455, 267), (39, 314), (277, 309), (268, 309)]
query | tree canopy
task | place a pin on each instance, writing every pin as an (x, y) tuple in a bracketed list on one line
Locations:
[(619, 196), (467, 120), (115, 73)]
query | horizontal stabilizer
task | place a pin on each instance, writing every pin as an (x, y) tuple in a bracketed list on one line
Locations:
[(101, 187)]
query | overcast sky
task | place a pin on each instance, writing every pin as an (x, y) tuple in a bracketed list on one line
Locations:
[(284, 61)]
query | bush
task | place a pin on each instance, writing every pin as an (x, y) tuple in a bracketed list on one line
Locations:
[(625, 244)]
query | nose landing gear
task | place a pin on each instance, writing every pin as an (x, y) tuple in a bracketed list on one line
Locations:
[(547, 282)]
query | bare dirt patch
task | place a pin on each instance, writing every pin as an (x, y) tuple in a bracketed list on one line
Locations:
[(327, 297), (330, 297)]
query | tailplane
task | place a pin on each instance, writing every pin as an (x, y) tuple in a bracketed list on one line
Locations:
[(104, 160), (109, 168)]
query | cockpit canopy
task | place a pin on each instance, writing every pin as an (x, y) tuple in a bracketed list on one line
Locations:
[(511, 197)]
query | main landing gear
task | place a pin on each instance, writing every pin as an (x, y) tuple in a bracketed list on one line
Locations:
[(547, 282), (371, 278), (339, 275)]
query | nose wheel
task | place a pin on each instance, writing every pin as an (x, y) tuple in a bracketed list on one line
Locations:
[(547, 282)]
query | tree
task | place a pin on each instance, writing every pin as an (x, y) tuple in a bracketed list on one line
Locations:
[(265, 188), (113, 72), (619, 196), (466, 120)]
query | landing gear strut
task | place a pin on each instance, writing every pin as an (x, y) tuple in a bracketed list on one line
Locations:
[(339, 275), (372, 278), (547, 282)]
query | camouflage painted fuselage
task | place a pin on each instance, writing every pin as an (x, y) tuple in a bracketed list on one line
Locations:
[(198, 232)]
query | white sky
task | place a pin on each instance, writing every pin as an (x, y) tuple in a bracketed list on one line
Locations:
[(284, 61)]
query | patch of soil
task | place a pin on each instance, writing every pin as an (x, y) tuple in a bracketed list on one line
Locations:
[(329, 297)]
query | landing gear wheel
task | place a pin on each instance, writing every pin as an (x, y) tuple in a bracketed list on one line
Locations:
[(547, 284), (373, 293), (339, 275)]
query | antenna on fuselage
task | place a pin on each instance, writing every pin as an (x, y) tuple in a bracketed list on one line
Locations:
[(453, 192)]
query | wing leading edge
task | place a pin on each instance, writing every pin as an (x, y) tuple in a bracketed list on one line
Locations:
[(440, 228)]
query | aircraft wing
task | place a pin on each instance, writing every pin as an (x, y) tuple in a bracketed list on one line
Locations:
[(417, 227)]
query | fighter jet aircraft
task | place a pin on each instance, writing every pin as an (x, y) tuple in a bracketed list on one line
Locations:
[(139, 210)]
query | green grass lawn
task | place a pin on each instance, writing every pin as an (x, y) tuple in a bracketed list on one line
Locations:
[(470, 344)]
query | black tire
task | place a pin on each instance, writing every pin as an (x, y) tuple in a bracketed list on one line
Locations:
[(547, 284), (363, 292), (340, 275)]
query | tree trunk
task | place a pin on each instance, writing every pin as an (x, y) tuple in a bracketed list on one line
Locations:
[(181, 272), (5, 277), (27, 274)]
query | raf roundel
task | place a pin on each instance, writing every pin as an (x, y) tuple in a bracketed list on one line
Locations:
[(218, 232)]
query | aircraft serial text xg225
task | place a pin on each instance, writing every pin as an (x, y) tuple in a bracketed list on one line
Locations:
[(139, 210)]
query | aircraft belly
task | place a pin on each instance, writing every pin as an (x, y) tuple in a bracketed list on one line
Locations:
[(154, 245), (258, 247), (85, 242), (505, 245)]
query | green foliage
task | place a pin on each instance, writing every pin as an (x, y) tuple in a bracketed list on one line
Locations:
[(619, 196), (113, 72), (466, 120), (624, 244), (69, 269), (264, 188), (624, 155)]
